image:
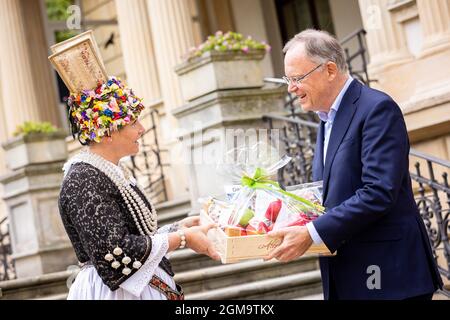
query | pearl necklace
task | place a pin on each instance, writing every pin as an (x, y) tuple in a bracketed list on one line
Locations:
[(144, 218)]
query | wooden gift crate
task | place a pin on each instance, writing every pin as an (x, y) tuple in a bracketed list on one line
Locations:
[(235, 249)]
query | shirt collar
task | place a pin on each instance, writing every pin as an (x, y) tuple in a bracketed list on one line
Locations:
[(329, 116)]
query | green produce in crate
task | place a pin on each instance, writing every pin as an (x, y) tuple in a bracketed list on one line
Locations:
[(248, 214)]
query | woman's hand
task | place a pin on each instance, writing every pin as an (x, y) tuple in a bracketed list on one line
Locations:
[(196, 240), (188, 222)]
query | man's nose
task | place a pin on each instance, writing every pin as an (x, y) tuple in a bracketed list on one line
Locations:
[(292, 87)]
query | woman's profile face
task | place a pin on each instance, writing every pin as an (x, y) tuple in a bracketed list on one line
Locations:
[(125, 140)]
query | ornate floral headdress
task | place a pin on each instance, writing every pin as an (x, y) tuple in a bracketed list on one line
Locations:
[(97, 104), (108, 107)]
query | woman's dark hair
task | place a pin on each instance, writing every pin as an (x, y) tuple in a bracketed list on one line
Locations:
[(74, 125)]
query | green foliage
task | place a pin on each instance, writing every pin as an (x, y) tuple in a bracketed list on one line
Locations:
[(64, 35), (57, 11), (29, 127), (230, 41)]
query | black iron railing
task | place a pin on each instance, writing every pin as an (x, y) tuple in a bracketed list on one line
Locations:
[(147, 165), (357, 59), (7, 271), (430, 181), (298, 138), (298, 134)]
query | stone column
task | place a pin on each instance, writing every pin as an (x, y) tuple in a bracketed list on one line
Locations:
[(137, 48), (27, 82), (385, 39), (173, 36), (3, 132), (3, 137), (435, 19)]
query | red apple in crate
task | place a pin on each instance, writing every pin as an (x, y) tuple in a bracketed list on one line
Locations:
[(273, 210), (262, 228)]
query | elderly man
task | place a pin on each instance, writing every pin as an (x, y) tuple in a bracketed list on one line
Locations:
[(372, 221)]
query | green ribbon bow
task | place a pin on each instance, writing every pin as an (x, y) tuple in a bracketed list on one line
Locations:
[(262, 181)]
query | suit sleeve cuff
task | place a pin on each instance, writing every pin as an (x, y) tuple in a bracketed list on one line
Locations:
[(313, 233)]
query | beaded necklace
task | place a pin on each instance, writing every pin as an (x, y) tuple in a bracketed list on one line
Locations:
[(144, 218)]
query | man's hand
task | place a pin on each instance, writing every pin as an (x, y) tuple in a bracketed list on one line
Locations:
[(296, 240)]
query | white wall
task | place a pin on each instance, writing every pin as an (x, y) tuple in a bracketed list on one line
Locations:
[(249, 20), (346, 16)]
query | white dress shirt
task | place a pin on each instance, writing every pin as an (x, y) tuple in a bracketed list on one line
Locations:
[(328, 118)]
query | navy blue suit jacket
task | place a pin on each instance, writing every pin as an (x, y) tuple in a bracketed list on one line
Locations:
[(372, 218)]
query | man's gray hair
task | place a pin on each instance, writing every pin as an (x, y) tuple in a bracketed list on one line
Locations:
[(320, 47)]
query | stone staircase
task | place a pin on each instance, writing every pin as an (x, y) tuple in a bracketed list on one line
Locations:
[(201, 277), (204, 279), (48, 286), (171, 211), (251, 279)]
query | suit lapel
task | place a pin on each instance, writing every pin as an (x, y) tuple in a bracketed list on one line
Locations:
[(341, 123), (318, 154)]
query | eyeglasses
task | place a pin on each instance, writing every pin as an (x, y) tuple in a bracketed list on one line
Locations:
[(298, 79)]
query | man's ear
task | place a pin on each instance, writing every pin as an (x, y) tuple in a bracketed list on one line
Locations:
[(332, 70)]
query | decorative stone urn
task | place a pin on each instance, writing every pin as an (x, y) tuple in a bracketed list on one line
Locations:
[(220, 70), (31, 188)]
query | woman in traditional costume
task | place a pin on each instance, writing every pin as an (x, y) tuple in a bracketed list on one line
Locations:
[(110, 222)]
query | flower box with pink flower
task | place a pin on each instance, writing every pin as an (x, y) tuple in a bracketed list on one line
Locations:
[(224, 61)]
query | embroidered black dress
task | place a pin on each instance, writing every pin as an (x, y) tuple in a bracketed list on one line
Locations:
[(97, 221)]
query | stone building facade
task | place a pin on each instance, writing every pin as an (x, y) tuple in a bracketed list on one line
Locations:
[(143, 40)]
